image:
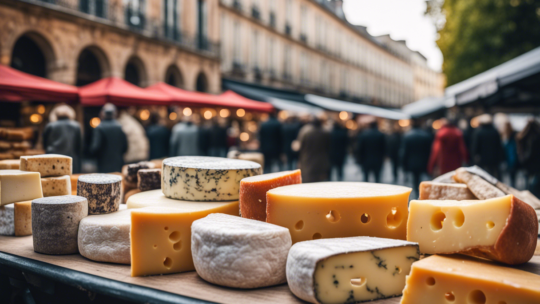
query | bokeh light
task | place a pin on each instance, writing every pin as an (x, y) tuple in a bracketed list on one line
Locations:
[(240, 112), (404, 123), (187, 112), (173, 116), (36, 118), (207, 114), (244, 136), (224, 113), (41, 109), (94, 122), (343, 115), (144, 115), (437, 124)]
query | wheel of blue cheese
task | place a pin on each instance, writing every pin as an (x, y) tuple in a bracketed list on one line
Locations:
[(103, 191), (195, 178), (55, 223)]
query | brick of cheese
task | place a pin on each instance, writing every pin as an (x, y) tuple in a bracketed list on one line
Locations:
[(440, 191), (196, 178), (503, 229), (339, 209), (18, 186), (161, 235), (7, 164), (481, 188), (240, 253), (253, 191), (47, 164), (130, 171), (349, 270), (456, 279), (16, 219), (55, 223), (103, 191), (149, 179), (54, 186)]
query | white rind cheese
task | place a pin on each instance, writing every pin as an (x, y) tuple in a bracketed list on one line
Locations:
[(7, 220), (205, 178), (240, 253), (349, 270), (55, 186)]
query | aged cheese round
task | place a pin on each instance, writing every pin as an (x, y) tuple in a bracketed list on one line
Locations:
[(103, 191), (237, 252), (105, 237), (55, 223), (149, 179), (205, 178)]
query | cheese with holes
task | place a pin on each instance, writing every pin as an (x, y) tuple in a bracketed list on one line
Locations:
[(161, 236), (339, 209), (456, 279), (130, 171), (7, 164), (349, 270), (55, 223), (105, 237), (149, 179), (47, 164), (253, 191), (16, 219), (196, 178), (103, 191), (18, 186), (54, 186), (440, 191), (481, 188), (503, 229), (240, 253)]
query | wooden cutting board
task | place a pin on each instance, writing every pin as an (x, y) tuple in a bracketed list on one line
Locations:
[(186, 284)]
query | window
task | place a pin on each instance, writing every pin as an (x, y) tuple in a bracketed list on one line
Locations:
[(255, 49), (288, 14), (94, 7), (237, 41), (287, 61), (135, 16), (324, 74), (303, 67), (270, 54), (202, 15), (303, 23), (170, 19)]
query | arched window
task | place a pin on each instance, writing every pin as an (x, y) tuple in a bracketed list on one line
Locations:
[(28, 57), (135, 72), (92, 65), (202, 83), (173, 77)]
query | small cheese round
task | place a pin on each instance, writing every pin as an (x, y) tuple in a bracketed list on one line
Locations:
[(103, 191), (196, 178), (237, 252), (55, 223)]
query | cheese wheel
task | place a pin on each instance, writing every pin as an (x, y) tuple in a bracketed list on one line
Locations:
[(155, 198), (241, 253), (196, 178), (441, 191), (47, 164), (55, 223), (130, 171), (16, 219), (54, 186), (149, 179), (103, 191)]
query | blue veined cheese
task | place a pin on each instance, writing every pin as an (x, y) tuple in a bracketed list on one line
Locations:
[(196, 178), (349, 270)]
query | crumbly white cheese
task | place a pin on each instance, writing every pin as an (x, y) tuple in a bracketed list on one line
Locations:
[(237, 252)]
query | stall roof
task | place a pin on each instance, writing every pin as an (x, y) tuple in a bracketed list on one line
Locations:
[(17, 86), (234, 100), (424, 107), (294, 106), (184, 97)]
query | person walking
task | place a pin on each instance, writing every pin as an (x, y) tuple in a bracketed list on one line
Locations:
[(109, 142), (185, 139), (393, 145), (158, 137), (528, 148), (62, 135), (486, 147), (270, 139), (370, 151), (510, 152), (339, 142), (289, 133), (218, 138), (138, 145), (314, 152), (448, 151), (415, 150)]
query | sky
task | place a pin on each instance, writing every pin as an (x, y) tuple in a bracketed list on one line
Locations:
[(402, 19)]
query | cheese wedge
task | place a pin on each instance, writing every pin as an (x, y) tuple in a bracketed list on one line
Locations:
[(47, 164), (440, 191), (349, 270), (339, 209), (456, 279), (481, 188), (18, 186), (16, 219), (503, 229)]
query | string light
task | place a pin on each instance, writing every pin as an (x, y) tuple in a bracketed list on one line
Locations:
[(144, 115), (240, 112), (187, 112), (207, 114), (343, 115), (244, 136), (36, 118), (224, 113), (173, 116)]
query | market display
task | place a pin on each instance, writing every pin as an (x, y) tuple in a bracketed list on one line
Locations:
[(55, 186), (130, 171), (103, 191), (442, 191), (16, 219), (47, 164), (17, 186), (149, 179)]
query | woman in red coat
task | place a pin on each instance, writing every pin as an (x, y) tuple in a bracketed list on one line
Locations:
[(448, 151)]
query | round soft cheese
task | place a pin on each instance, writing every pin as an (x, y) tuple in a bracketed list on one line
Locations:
[(237, 252), (105, 237), (205, 178), (55, 223), (103, 191)]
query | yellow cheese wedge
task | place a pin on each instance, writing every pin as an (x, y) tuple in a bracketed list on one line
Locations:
[(451, 279), (18, 186), (329, 210)]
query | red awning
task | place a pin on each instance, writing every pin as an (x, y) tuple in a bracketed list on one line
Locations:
[(184, 97), (17, 86), (233, 100), (121, 93)]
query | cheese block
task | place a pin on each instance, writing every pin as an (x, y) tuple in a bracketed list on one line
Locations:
[(103, 191), (456, 279), (481, 188), (105, 237), (7, 164), (55, 223), (47, 164), (18, 186), (339, 209), (349, 270), (130, 171), (253, 191), (440, 191), (149, 179), (240, 253), (16, 219), (503, 229), (54, 186), (196, 178)]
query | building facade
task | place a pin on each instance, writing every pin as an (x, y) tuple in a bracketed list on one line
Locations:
[(143, 41)]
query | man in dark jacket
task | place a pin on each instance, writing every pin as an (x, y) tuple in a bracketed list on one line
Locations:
[(393, 144), (63, 135), (486, 148), (218, 138), (109, 142), (370, 151), (314, 152), (270, 139), (339, 142), (415, 150), (158, 137), (289, 133)]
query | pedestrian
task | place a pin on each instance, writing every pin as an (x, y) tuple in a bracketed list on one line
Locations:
[(185, 139), (289, 133), (314, 152), (218, 138), (62, 135), (109, 142), (415, 150), (393, 145), (205, 140), (370, 151), (158, 137), (486, 147), (339, 144), (270, 138), (528, 148), (138, 145), (510, 152), (448, 151)]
